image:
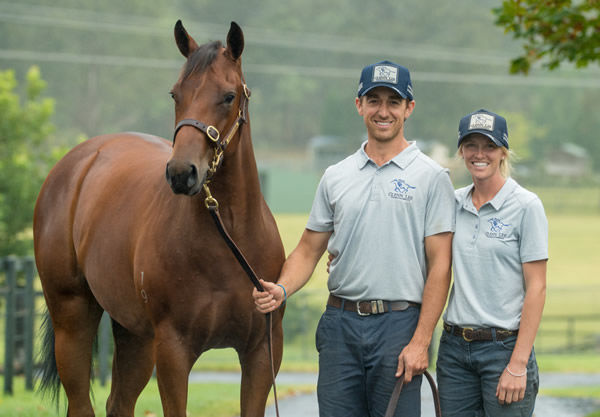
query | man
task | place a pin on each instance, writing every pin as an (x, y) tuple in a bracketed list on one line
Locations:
[(386, 214)]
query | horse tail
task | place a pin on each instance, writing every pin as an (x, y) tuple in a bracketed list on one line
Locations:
[(49, 380)]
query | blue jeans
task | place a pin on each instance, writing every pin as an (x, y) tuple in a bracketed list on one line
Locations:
[(468, 375), (358, 358)]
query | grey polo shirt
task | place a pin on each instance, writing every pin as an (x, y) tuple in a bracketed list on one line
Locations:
[(380, 217), (488, 252)]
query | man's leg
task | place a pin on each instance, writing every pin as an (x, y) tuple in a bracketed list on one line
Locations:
[(385, 336), (341, 387)]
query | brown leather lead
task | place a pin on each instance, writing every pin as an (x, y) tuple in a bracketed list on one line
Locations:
[(391, 408), (214, 212)]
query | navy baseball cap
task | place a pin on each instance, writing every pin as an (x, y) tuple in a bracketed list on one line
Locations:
[(386, 74), (487, 123)]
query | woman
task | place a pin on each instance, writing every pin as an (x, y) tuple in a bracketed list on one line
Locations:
[(486, 363)]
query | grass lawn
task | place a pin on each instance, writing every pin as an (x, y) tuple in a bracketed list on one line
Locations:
[(204, 399)]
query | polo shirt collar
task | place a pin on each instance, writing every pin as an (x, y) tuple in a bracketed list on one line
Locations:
[(501, 196), (464, 199), (403, 159)]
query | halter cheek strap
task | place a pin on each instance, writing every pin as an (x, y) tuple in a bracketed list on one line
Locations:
[(212, 133)]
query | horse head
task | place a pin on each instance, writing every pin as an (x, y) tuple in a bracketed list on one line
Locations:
[(210, 105)]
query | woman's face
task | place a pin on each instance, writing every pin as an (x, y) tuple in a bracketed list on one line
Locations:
[(482, 156)]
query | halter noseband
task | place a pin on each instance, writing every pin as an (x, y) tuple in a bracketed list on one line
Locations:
[(212, 133)]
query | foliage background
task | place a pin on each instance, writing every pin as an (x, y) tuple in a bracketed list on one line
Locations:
[(111, 64)]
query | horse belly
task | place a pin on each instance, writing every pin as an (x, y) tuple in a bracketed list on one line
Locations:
[(98, 184)]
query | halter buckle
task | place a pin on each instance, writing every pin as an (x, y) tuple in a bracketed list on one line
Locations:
[(212, 133)]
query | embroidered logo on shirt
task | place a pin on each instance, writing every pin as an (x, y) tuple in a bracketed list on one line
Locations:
[(496, 228), (401, 190)]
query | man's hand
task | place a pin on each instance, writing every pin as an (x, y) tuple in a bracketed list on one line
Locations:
[(413, 360), (270, 299)]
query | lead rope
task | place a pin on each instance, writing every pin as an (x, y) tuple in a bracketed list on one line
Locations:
[(391, 408), (213, 208)]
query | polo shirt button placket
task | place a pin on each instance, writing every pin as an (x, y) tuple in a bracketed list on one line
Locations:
[(375, 187)]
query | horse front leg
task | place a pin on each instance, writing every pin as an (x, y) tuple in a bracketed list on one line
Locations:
[(174, 361), (257, 377)]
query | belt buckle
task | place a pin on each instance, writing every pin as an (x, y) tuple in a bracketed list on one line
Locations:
[(464, 330), (360, 313)]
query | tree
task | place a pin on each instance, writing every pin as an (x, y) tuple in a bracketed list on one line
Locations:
[(559, 30), (24, 156)]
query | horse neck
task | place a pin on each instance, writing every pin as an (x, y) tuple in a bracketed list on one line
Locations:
[(236, 184)]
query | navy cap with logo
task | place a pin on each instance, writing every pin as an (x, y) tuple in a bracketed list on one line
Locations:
[(386, 74), (487, 123)]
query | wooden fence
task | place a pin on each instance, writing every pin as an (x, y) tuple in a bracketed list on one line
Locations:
[(18, 297), (21, 322)]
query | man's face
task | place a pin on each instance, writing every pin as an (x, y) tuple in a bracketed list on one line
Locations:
[(384, 113)]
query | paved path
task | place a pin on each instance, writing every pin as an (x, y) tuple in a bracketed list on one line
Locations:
[(305, 405)]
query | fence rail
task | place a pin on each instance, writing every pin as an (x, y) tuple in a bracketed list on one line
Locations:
[(569, 333)]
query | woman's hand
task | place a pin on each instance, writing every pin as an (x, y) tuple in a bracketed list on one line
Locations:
[(511, 387)]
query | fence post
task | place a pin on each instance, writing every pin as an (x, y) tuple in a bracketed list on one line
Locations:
[(10, 264), (29, 268)]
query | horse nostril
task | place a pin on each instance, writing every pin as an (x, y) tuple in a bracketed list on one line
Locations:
[(167, 175), (192, 178)]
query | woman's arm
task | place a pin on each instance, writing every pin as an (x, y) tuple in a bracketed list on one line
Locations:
[(511, 388)]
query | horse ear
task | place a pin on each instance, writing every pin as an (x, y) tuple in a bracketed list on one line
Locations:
[(235, 41), (185, 42)]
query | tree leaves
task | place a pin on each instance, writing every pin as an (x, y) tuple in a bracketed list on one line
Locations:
[(554, 31), (25, 156)]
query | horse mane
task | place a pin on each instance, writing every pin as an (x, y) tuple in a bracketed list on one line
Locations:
[(201, 58)]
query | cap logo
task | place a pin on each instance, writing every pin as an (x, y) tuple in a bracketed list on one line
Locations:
[(385, 74), (482, 121)]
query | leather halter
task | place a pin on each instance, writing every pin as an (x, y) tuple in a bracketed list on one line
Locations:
[(213, 134)]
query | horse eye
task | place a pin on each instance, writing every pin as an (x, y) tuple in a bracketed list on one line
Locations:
[(229, 98), (172, 94)]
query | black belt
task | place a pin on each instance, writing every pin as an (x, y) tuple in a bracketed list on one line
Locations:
[(473, 335), (366, 308)]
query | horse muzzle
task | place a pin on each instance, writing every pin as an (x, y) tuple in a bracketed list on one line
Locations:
[(183, 177)]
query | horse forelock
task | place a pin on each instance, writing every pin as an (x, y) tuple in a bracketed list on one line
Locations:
[(202, 58)]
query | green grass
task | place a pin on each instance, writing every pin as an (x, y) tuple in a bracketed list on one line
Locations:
[(573, 392), (204, 399), (576, 362)]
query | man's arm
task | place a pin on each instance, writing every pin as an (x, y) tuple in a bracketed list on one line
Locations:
[(413, 359), (296, 271)]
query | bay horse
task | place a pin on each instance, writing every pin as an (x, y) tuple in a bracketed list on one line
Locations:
[(120, 225)]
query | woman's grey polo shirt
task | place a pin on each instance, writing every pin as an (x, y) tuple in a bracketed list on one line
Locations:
[(380, 217), (488, 252)]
